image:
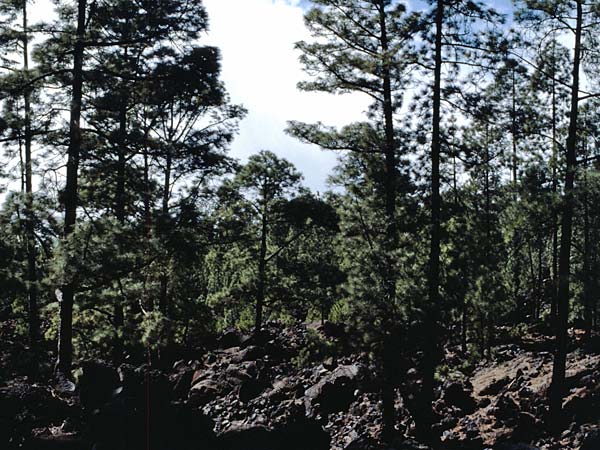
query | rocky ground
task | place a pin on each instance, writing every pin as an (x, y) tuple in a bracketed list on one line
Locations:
[(256, 393)]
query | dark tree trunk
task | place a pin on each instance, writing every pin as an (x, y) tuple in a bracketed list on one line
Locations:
[(540, 280), (147, 193), (431, 310), (554, 297), (514, 131), (488, 251), (388, 392), (118, 309), (33, 313), (557, 389), (587, 270), (163, 302), (65, 336), (262, 265)]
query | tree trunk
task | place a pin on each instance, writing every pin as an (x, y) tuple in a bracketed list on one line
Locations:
[(388, 391), (540, 280), (587, 271), (65, 336), (262, 265), (553, 299), (431, 319), (163, 303), (557, 390), (33, 313), (118, 310), (488, 250), (514, 131)]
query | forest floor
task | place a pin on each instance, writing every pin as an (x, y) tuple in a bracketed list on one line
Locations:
[(282, 391)]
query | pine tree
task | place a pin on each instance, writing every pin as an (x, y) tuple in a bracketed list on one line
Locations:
[(451, 44), (581, 17), (365, 48), (18, 86)]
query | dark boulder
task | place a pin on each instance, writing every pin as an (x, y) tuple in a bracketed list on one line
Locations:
[(55, 442), (591, 441), (205, 391), (333, 330), (505, 408), (495, 386), (251, 388), (526, 427), (333, 393), (456, 395), (97, 383), (181, 382), (229, 338), (23, 407), (302, 434), (250, 353)]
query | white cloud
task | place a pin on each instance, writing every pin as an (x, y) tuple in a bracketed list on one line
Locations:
[(261, 69)]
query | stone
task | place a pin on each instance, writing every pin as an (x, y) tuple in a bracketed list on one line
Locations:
[(333, 393), (456, 395), (251, 388), (505, 408), (329, 363), (495, 387), (182, 383), (296, 435), (97, 384), (333, 330), (203, 392), (230, 338), (526, 427), (591, 441)]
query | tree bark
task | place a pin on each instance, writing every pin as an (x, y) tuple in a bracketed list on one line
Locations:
[(388, 392), (587, 269), (557, 389), (65, 337), (431, 319), (262, 265), (514, 131), (553, 299), (488, 251), (118, 309), (33, 313), (163, 302)]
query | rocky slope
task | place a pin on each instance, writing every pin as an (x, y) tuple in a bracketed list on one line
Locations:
[(261, 394)]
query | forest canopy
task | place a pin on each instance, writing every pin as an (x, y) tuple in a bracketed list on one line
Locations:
[(462, 206)]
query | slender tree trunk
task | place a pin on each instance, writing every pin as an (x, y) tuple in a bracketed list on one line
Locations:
[(516, 275), (514, 169), (514, 131), (553, 299), (431, 319), (557, 390), (34, 322), (163, 303), (464, 322), (118, 309), (540, 279), (262, 265), (488, 251), (65, 336), (587, 271), (147, 216), (147, 299), (388, 392)]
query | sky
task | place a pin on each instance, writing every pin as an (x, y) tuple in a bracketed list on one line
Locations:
[(260, 69)]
